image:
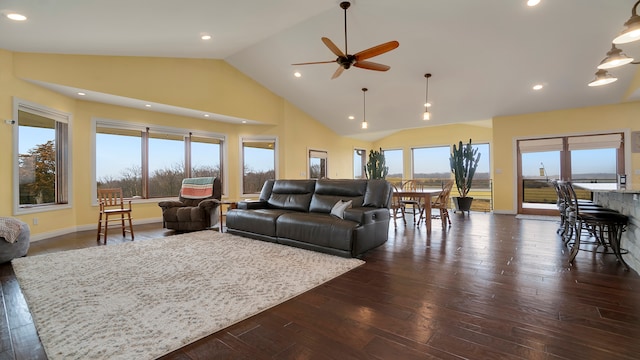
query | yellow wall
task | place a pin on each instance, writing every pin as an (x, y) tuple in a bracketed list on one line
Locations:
[(208, 85), (625, 116)]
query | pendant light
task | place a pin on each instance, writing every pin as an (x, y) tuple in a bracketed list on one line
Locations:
[(602, 78), (614, 58), (427, 115), (364, 108), (631, 31)]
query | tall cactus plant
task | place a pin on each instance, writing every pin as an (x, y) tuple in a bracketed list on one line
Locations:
[(375, 167), (464, 161)]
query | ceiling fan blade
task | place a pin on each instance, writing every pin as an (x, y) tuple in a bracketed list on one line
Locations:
[(334, 49), (376, 50), (337, 73), (371, 66), (315, 62)]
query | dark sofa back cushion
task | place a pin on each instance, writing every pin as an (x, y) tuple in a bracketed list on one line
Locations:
[(265, 193), (292, 194), (329, 192), (378, 194)]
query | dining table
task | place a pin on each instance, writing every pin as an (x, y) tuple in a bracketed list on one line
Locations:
[(426, 195)]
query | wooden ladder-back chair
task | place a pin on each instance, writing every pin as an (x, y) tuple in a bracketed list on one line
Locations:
[(415, 202), (442, 203), (112, 209), (397, 208)]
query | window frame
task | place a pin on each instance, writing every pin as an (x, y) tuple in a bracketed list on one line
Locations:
[(146, 129), (323, 155), (64, 196), (254, 139)]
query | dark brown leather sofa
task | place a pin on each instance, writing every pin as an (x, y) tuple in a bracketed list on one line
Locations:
[(298, 213)]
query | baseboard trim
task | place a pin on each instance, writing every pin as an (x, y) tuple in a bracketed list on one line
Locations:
[(60, 232)]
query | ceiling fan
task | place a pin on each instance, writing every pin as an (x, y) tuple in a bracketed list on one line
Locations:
[(346, 60)]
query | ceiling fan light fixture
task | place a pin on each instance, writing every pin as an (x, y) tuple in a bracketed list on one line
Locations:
[(631, 30), (602, 78), (427, 114), (614, 58)]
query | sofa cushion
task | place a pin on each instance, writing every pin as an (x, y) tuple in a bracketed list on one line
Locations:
[(292, 194), (318, 229), (259, 221), (330, 191), (378, 193)]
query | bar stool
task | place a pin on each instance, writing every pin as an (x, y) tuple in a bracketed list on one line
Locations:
[(605, 225)]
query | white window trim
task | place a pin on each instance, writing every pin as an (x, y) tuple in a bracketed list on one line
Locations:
[(57, 115)]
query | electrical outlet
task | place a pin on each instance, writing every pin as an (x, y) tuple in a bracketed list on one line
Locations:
[(35, 221)]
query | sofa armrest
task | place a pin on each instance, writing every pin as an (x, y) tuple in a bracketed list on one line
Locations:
[(252, 204), (170, 204), (366, 215), (209, 204)]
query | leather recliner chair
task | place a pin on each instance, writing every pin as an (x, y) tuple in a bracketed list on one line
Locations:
[(197, 206)]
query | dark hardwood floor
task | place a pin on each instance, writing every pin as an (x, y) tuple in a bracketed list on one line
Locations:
[(490, 287)]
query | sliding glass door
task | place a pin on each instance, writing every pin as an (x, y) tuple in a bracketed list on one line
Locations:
[(587, 158)]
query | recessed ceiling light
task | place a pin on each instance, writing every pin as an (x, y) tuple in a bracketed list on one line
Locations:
[(297, 74), (147, 105), (244, 121), (16, 17), (533, 2), (351, 117), (205, 37), (81, 94), (538, 86), (206, 115)]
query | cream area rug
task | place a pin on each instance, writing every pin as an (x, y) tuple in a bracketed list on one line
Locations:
[(141, 300)]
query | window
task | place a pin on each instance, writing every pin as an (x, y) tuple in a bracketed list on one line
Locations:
[(359, 161), (317, 164), (166, 159), (119, 160), (258, 163), (41, 167), (206, 155), (150, 162), (393, 159), (431, 165)]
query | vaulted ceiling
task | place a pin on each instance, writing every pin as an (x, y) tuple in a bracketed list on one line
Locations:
[(485, 56)]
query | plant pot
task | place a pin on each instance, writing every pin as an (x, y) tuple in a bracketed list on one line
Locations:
[(462, 203)]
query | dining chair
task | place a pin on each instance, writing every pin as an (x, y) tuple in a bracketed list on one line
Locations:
[(112, 210), (397, 207), (442, 203), (414, 202)]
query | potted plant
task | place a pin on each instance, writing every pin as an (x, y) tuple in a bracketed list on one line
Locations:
[(375, 167), (464, 162)]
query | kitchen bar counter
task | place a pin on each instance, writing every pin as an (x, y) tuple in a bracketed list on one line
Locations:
[(626, 200)]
